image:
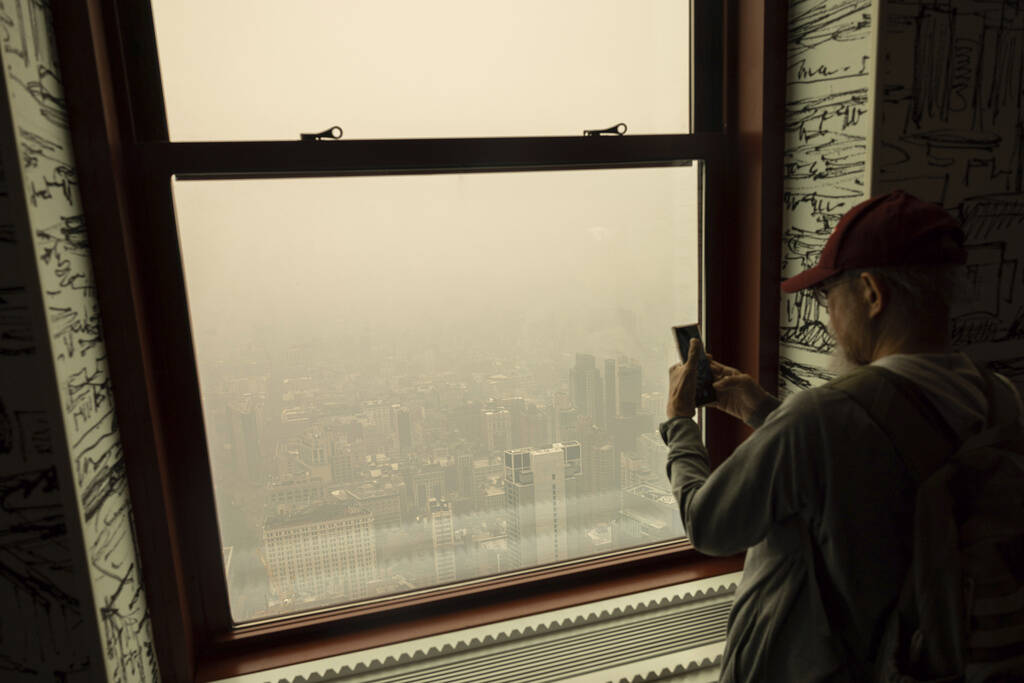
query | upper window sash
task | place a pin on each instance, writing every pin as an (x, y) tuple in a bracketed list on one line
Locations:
[(146, 101)]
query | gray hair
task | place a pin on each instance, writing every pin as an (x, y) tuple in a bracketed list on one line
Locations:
[(917, 290)]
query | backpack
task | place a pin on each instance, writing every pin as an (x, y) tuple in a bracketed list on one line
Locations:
[(960, 614)]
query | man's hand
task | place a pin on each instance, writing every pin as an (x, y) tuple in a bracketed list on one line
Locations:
[(682, 385), (738, 393)]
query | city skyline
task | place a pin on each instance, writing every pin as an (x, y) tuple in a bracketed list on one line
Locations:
[(421, 486)]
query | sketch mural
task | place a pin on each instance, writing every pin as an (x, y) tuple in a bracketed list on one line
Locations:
[(42, 632), (41, 628), (828, 132), (952, 132), (35, 519), (950, 115)]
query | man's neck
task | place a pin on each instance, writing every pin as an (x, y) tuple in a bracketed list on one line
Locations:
[(891, 347)]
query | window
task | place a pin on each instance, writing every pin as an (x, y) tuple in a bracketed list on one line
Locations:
[(159, 184), (418, 327)]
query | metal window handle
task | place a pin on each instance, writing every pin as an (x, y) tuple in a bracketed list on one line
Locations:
[(332, 133), (617, 129)]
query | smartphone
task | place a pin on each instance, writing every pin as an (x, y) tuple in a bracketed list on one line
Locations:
[(705, 389)]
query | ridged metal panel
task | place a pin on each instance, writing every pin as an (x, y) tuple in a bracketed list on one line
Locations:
[(570, 648)]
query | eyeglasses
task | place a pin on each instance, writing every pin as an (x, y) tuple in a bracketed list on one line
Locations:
[(820, 291)]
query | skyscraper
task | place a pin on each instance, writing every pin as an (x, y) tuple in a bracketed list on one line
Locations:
[(611, 394), (244, 422), (603, 485), (497, 429), (586, 390), (443, 533), (327, 551), (424, 482), (539, 484), (404, 430), (630, 379), (464, 475), (382, 417)]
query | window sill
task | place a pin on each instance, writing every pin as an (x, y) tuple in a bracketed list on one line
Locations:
[(677, 631), (259, 648)]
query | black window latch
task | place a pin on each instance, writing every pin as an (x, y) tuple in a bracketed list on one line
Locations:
[(617, 129), (332, 133)]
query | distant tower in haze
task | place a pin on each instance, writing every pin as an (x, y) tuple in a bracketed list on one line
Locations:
[(404, 430), (382, 416), (630, 379), (541, 497), (611, 394), (586, 390), (497, 429), (443, 532), (244, 425)]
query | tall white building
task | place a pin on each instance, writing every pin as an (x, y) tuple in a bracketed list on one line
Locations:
[(541, 503), (443, 532), (325, 552), (497, 429)]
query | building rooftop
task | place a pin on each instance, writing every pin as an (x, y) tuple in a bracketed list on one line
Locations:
[(326, 512), (654, 493)]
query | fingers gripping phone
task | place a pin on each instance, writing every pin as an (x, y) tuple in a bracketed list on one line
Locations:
[(705, 390)]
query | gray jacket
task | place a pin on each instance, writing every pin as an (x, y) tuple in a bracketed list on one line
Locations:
[(818, 464)]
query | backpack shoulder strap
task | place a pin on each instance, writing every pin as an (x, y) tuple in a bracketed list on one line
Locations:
[(1002, 397), (920, 435), (1005, 422)]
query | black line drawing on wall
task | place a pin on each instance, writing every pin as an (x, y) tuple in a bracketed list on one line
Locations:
[(828, 128), (28, 34), (25, 435), (120, 627), (36, 149), (952, 132), (810, 332), (796, 376), (46, 90), (41, 613), (15, 323), (63, 181)]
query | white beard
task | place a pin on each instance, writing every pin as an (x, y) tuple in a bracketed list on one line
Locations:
[(840, 363)]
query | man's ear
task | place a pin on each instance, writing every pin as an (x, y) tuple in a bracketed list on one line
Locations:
[(874, 293)]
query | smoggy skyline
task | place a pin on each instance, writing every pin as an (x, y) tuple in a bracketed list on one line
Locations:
[(442, 256)]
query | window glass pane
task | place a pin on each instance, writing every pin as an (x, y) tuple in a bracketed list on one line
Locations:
[(270, 70), (414, 380)]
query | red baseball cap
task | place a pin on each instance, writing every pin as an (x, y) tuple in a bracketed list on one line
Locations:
[(895, 229)]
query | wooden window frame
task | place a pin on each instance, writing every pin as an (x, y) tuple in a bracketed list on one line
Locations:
[(108, 59)]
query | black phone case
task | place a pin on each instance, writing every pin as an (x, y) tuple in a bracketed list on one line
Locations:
[(705, 391)]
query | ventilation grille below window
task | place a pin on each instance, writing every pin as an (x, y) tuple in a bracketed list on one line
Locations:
[(675, 633)]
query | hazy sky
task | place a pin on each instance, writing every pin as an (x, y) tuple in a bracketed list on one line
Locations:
[(266, 69), (424, 250), (421, 251)]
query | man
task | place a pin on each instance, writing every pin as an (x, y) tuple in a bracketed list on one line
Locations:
[(818, 483)]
